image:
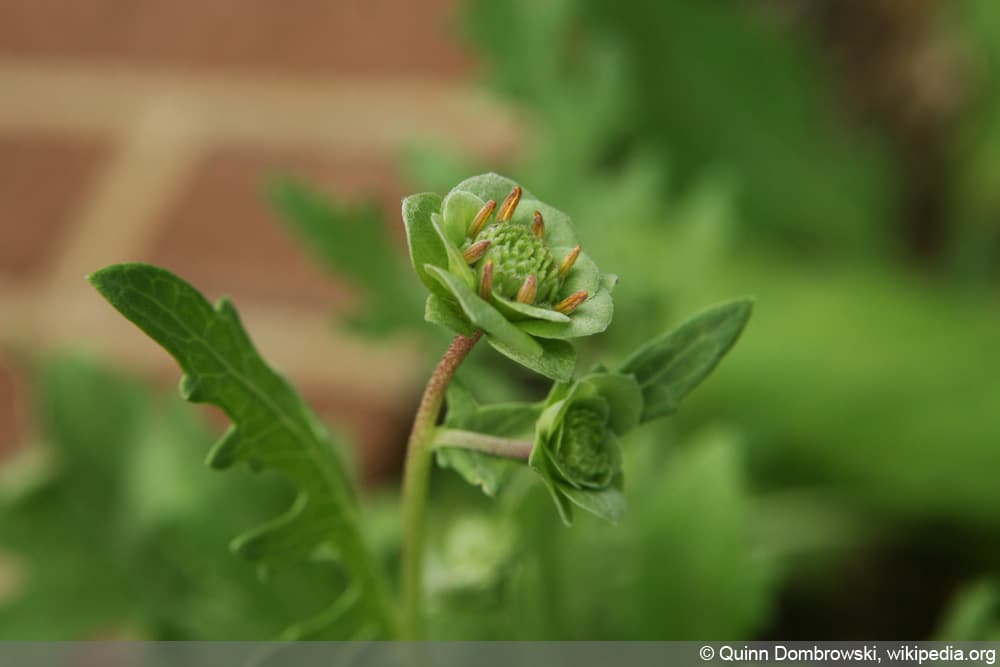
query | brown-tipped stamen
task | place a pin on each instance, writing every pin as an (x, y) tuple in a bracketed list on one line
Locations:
[(528, 291), (475, 252), (571, 303), (481, 218), (538, 225), (486, 282), (509, 204), (569, 261)]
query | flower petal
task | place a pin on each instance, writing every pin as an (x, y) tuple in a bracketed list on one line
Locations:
[(456, 261), (609, 503), (559, 229), (458, 210), (521, 311), (591, 317), (491, 186), (484, 316), (426, 246), (583, 276), (448, 314)]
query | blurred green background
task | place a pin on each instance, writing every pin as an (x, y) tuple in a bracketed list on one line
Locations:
[(836, 478)]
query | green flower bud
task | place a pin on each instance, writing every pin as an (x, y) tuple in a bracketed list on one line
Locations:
[(582, 451), (514, 271), (576, 450)]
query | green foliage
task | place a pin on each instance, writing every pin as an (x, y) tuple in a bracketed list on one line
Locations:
[(575, 431), (682, 573), (273, 430), (124, 515), (975, 149), (699, 87), (973, 614)]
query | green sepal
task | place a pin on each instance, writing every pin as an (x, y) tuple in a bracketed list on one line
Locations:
[(592, 316), (426, 247), (552, 358), (484, 316), (456, 262), (608, 503), (668, 367), (522, 312), (448, 314), (457, 211), (540, 463)]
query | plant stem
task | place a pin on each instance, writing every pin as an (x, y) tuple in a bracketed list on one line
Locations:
[(416, 476), (481, 442)]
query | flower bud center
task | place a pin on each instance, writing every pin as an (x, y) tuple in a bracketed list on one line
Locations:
[(516, 254), (580, 447)]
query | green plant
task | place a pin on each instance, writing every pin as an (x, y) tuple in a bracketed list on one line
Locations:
[(512, 274)]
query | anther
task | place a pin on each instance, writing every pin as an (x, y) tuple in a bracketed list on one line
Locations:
[(509, 204), (486, 282), (571, 303), (569, 261), (475, 252), (479, 221), (538, 225), (528, 291)]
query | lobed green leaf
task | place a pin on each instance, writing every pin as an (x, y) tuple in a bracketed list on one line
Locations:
[(272, 429)]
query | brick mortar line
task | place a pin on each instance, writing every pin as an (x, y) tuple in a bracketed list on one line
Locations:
[(346, 114)]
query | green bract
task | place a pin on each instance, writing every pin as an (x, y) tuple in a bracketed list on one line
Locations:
[(513, 270), (576, 448)]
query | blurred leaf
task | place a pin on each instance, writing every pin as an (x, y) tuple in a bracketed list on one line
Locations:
[(273, 429), (64, 527), (683, 558), (353, 242), (506, 420), (974, 614), (670, 366), (120, 522)]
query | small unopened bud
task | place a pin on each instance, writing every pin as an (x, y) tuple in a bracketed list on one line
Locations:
[(528, 291), (538, 225), (571, 303), (569, 261), (475, 252), (479, 221), (509, 204), (486, 282)]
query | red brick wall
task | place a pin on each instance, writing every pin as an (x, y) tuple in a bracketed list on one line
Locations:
[(143, 130)]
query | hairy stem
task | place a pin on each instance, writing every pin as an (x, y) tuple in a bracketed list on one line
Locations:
[(481, 442), (416, 476)]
